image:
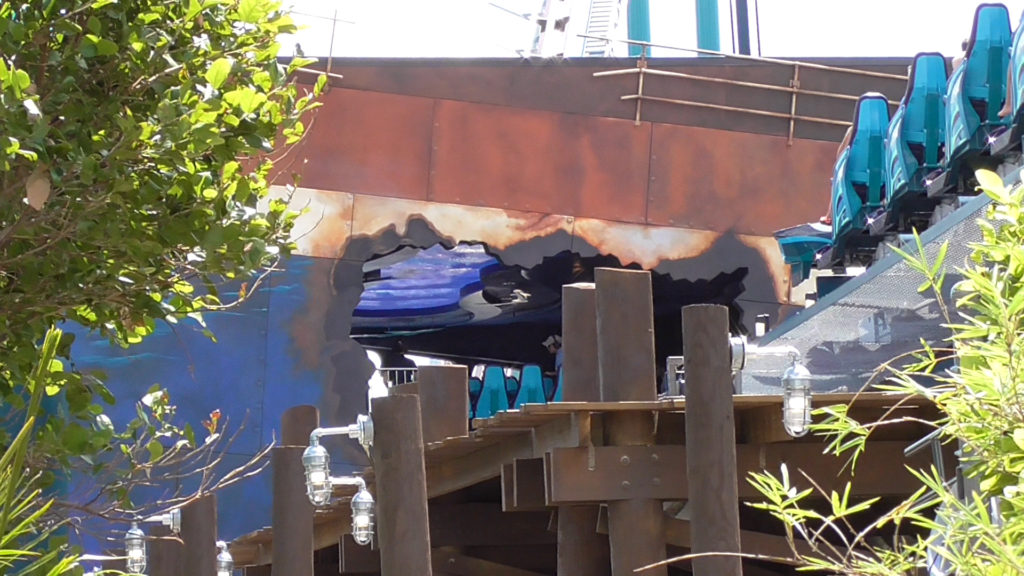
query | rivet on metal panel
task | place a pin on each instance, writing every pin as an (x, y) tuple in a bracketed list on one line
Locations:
[(624, 460), (570, 219), (656, 481), (654, 457), (626, 485)]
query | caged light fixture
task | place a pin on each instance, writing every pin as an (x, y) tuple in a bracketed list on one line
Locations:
[(225, 563), (320, 485), (135, 549), (796, 399)]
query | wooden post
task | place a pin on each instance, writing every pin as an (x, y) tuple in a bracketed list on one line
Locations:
[(199, 533), (292, 513), (711, 440), (581, 550), (444, 401), (403, 527), (625, 346), (166, 553)]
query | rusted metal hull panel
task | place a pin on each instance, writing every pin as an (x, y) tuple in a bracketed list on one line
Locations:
[(368, 143), (746, 183), (569, 86), (540, 161)]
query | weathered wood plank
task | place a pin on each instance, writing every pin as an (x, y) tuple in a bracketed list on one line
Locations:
[(711, 440)]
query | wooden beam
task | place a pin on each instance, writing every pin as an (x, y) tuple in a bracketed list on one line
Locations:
[(607, 473), (485, 524), (761, 425), (625, 347), (444, 401), (711, 440), (581, 550), (403, 528), (528, 484), (292, 513), (447, 561), (679, 532), (356, 559), (582, 475), (199, 534), (579, 344), (166, 552), (476, 467)]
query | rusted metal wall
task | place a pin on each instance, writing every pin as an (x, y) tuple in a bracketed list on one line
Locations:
[(575, 165), (568, 86)]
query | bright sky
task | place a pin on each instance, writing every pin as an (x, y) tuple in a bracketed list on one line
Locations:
[(476, 28)]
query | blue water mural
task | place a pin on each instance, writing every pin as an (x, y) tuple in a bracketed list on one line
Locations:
[(252, 374)]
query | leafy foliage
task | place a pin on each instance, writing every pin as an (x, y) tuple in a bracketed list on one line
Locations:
[(134, 163), (134, 160)]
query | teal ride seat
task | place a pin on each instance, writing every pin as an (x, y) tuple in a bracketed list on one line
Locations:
[(549, 388), (916, 134), (531, 387), (511, 389), (475, 388), (1016, 119), (977, 88), (859, 176), (557, 396), (493, 398)]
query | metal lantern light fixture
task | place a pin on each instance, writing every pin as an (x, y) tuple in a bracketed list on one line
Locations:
[(320, 485), (796, 399), (225, 563), (362, 516), (135, 550), (317, 463)]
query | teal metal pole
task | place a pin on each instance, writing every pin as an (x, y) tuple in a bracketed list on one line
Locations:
[(638, 20), (707, 25)]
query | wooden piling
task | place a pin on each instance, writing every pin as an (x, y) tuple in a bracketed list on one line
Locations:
[(166, 553), (292, 513), (403, 527), (199, 534), (582, 551), (625, 346), (711, 440)]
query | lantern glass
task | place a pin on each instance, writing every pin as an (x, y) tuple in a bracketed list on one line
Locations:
[(796, 400), (318, 474), (225, 563), (135, 550), (362, 517)]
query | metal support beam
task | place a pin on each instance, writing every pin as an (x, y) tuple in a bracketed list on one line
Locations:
[(711, 440), (292, 513), (403, 527), (625, 346), (199, 533)]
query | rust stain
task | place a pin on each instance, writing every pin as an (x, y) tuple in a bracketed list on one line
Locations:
[(647, 246), (326, 217), (768, 248), (338, 217), (307, 326), (497, 228)]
